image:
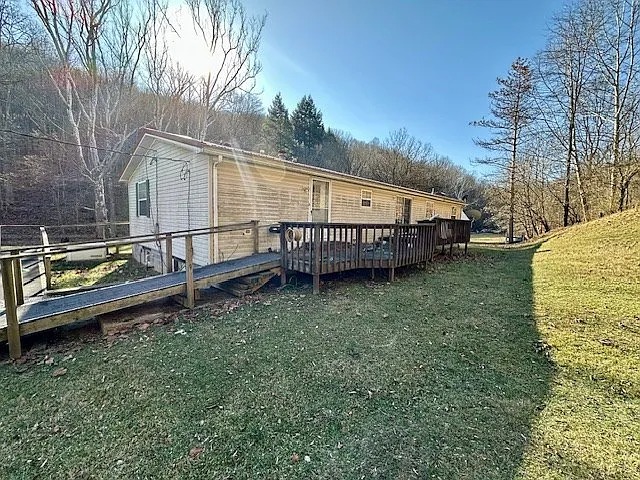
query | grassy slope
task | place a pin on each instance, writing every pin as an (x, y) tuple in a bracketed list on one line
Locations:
[(434, 376), (587, 300)]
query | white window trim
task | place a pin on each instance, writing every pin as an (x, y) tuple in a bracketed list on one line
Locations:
[(370, 199), (142, 187)]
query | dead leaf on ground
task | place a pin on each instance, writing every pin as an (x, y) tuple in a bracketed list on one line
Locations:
[(58, 372), (195, 452)]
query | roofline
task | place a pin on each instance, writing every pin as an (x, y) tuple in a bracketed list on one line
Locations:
[(269, 160)]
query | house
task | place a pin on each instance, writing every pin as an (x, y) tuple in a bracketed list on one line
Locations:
[(179, 183)]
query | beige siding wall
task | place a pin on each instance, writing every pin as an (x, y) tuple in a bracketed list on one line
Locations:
[(270, 195), (252, 192), (182, 201)]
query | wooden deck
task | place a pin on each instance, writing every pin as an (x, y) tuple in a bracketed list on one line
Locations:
[(53, 312), (321, 248)]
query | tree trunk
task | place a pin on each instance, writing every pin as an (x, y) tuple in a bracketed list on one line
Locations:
[(567, 177), (101, 212), (581, 193), (512, 193)]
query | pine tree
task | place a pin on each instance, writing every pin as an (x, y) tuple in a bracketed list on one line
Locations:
[(512, 112), (308, 130), (277, 132)]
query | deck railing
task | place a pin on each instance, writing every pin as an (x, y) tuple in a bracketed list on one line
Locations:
[(320, 248)]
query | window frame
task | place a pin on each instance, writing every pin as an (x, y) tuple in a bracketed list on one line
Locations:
[(430, 209), (363, 199), (141, 187)]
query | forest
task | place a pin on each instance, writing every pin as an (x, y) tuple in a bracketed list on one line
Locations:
[(78, 79)]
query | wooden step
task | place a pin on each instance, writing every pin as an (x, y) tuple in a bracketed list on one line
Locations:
[(248, 284)]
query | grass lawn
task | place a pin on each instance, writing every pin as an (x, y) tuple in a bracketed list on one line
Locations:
[(487, 238), (80, 274), (516, 363)]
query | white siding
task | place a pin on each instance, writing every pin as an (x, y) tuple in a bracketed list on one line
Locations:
[(179, 193)]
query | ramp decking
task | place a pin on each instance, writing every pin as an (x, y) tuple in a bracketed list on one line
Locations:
[(54, 312)]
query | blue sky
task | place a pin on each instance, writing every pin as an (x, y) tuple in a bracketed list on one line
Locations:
[(374, 66)]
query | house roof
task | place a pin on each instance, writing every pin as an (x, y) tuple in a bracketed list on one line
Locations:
[(147, 136)]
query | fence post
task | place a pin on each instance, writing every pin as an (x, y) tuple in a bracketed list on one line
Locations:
[(394, 250), (17, 274), (10, 306), (169, 252), (317, 253), (256, 237), (47, 258), (453, 238), (188, 247)]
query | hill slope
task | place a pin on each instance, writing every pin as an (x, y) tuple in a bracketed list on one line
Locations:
[(586, 284)]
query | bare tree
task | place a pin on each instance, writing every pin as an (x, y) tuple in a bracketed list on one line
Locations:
[(564, 73), (232, 39), (97, 46), (616, 60)]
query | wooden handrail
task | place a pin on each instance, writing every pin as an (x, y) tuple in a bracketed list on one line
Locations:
[(39, 250)]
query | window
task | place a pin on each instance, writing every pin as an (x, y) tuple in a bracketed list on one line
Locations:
[(365, 198), (142, 199), (403, 210), (454, 212), (431, 211)]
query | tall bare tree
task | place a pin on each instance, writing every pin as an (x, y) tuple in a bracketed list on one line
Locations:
[(97, 46), (232, 38)]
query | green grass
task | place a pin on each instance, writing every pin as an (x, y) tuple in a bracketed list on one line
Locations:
[(487, 238), (491, 367), (587, 304), (96, 272), (434, 376)]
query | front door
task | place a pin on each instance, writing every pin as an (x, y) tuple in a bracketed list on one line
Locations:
[(319, 201)]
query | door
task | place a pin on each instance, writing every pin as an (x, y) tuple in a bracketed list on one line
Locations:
[(319, 201), (403, 210)]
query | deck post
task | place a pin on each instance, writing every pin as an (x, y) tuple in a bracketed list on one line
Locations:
[(47, 258), (395, 247), (188, 247), (317, 253), (10, 306), (17, 273), (256, 237), (169, 252)]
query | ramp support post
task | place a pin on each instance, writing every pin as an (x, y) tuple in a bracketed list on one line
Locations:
[(169, 252), (191, 294), (9, 291), (256, 237)]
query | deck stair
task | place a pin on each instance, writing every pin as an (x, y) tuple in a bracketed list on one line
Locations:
[(248, 284)]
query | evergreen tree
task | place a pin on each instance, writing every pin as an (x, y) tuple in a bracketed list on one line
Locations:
[(308, 130), (512, 112), (277, 132)]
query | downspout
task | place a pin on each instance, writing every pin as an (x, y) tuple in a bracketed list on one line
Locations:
[(213, 212)]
